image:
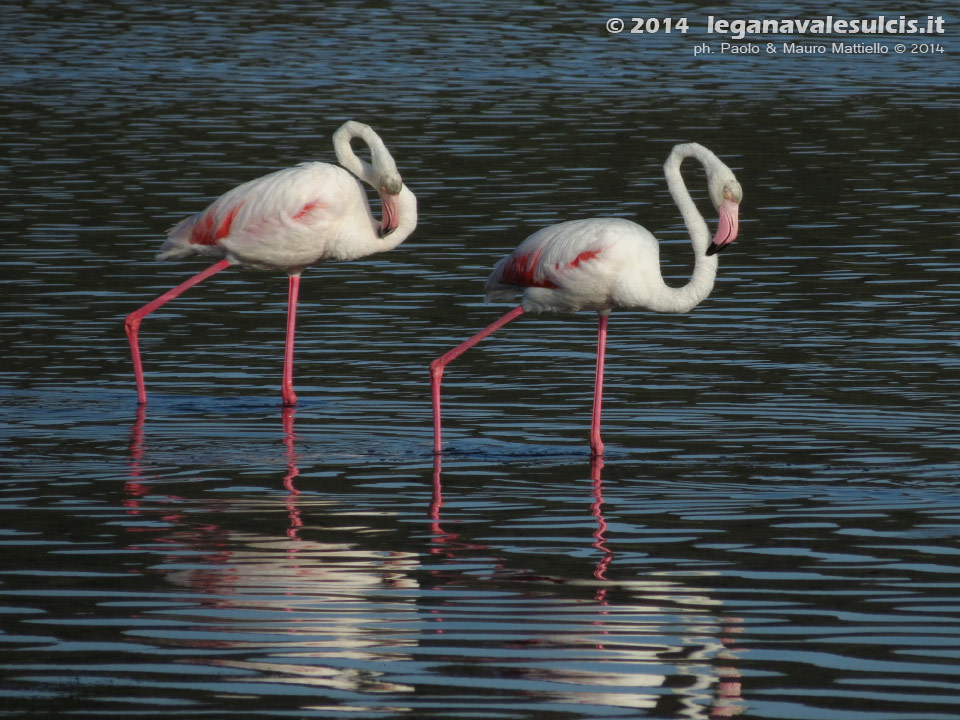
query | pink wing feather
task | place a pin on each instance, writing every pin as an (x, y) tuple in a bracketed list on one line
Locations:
[(277, 214), (546, 258)]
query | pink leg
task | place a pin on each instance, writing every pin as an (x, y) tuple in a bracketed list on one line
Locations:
[(596, 444), (437, 366), (132, 323), (286, 388)]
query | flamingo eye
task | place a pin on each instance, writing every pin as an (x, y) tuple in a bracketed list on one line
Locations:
[(391, 186)]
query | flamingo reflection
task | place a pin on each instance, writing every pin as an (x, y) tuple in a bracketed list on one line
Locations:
[(289, 439), (314, 591), (599, 535), (294, 586), (134, 487), (714, 687), (447, 542)]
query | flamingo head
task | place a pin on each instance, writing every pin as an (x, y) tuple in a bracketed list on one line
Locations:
[(389, 186), (726, 194)]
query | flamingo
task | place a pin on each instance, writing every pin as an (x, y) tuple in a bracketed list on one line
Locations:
[(606, 263), (289, 220)]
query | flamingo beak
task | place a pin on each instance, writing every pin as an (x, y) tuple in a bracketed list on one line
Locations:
[(727, 226), (391, 214)]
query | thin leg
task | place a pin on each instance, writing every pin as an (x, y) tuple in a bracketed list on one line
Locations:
[(132, 322), (437, 366), (596, 444), (286, 388)]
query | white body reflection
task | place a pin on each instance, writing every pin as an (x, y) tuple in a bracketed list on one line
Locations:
[(664, 631), (382, 624)]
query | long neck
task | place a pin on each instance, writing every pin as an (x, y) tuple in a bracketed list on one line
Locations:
[(700, 284), (382, 162), (379, 155)]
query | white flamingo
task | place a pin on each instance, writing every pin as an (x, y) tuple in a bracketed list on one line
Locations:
[(606, 263), (289, 220)]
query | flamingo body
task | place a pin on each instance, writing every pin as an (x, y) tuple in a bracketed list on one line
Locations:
[(602, 264), (289, 220), (596, 264)]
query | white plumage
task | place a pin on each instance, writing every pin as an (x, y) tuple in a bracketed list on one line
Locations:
[(576, 265), (605, 263), (289, 220)]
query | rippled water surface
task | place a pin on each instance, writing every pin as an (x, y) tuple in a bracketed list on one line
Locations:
[(775, 529)]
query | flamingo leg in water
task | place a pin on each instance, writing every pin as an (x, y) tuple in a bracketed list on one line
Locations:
[(132, 322), (596, 444), (437, 366), (286, 388)]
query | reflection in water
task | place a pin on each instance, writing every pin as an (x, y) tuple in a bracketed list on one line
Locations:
[(712, 688), (806, 410), (136, 452), (289, 437), (346, 616), (441, 538), (286, 596), (596, 465)]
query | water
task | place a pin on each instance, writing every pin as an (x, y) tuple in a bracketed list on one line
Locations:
[(773, 532)]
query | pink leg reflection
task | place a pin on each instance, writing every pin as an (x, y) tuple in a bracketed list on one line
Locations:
[(289, 436), (596, 509)]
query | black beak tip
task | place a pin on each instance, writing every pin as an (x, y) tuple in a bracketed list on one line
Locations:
[(383, 233), (714, 249)]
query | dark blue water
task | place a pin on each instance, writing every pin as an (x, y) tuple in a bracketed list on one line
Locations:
[(773, 531)]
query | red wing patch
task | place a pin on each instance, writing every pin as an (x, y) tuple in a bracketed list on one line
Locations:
[(202, 232), (306, 210), (575, 263), (585, 255), (519, 270), (206, 233)]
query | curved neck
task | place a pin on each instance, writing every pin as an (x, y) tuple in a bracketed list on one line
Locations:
[(380, 170), (380, 157), (357, 242), (700, 284), (407, 212)]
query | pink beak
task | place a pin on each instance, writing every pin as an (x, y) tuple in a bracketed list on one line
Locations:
[(727, 226), (391, 215)]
